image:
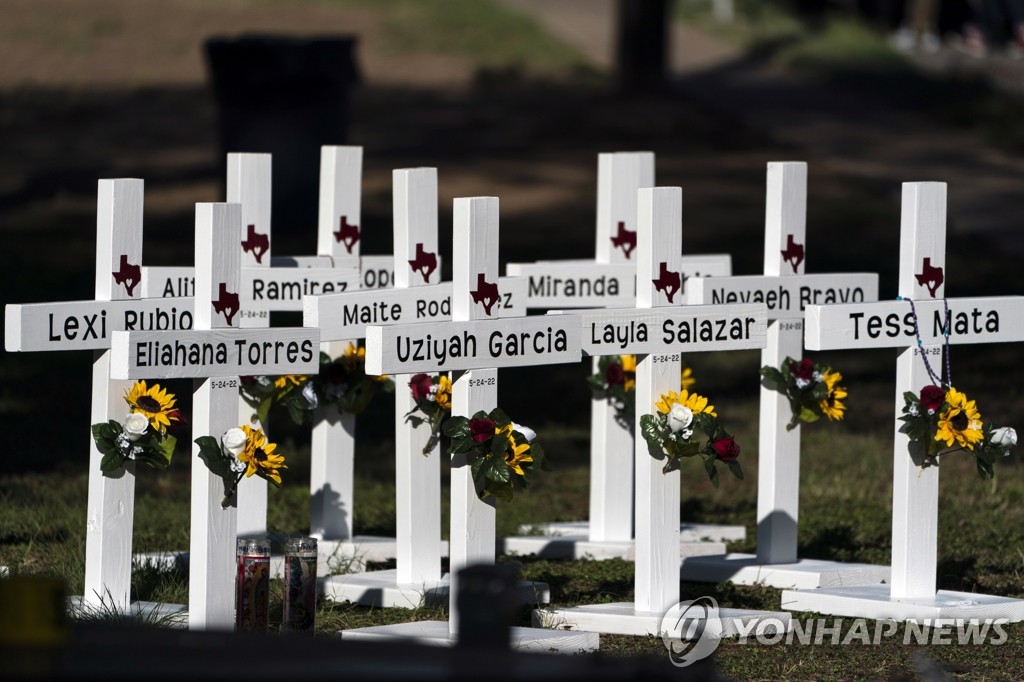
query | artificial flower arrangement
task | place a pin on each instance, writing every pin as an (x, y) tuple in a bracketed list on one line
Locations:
[(342, 382), (502, 455), (813, 390), (433, 396), (943, 420), (243, 451), (671, 434), (145, 434), (615, 381)]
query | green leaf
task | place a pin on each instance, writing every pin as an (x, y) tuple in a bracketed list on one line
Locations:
[(166, 449), (496, 470), (111, 462), (498, 446), (910, 397), (263, 411), (808, 415), (735, 468), (499, 417), (709, 466), (455, 427), (650, 429), (772, 379)]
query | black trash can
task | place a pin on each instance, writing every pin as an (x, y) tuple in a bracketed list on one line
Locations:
[(287, 96)]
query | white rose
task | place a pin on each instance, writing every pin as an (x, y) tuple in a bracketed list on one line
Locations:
[(679, 417), (135, 426), (526, 431), (1004, 437), (233, 441)]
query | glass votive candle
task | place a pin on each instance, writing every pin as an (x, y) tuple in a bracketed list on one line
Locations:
[(252, 584), (300, 557)]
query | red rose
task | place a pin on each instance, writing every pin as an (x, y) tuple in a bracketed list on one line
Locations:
[(482, 429), (802, 370), (932, 398), (176, 418), (726, 449), (613, 374), (420, 385)]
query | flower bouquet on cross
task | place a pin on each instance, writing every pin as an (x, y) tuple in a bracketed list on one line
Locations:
[(942, 420), (671, 434), (615, 381), (813, 390), (241, 452), (502, 455), (145, 434), (433, 396), (341, 382)]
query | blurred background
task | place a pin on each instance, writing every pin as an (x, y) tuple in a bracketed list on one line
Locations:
[(515, 99)]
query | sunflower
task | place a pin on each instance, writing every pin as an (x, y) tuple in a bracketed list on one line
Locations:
[(517, 453), (694, 402), (155, 403), (282, 382), (960, 423), (832, 406), (259, 455), (628, 363), (443, 395), (354, 356)]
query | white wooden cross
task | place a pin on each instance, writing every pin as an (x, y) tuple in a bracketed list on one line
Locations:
[(418, 493), (272, 283), (88, 325), (478, 340), (609, 281), (786, 290), (912, 594), (659, 331), (417, 297), (215, 353)]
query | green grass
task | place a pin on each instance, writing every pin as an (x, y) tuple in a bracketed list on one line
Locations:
[(845, 515)]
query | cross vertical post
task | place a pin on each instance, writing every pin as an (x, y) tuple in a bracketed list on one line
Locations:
[(659, 331), (111, 502), (786, 289), (332, 466), (249, 184)]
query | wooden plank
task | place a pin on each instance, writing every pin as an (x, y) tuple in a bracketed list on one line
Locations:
[(785, 297), (679, 329), (345, 316), (88, 325), (476, 344), (223, 352), (890, 324)]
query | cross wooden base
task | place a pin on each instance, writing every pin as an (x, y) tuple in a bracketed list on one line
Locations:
[(580, 546), (688, 532), (803, 574), (381, 588), (149, 612), (520, 639), (623, 619), (876, 602)]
